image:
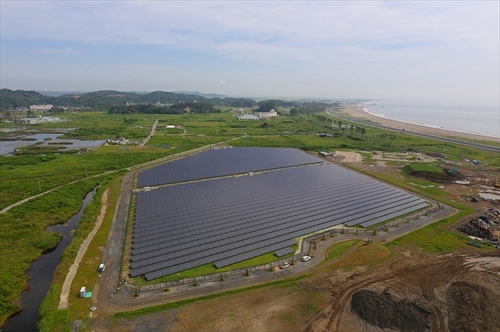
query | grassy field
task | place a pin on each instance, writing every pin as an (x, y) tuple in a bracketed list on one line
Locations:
[(23, 237)]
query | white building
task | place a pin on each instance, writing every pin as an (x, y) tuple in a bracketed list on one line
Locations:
[(266, 115), (41, 108)]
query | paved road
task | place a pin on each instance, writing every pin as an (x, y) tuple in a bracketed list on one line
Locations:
[(439, 138)]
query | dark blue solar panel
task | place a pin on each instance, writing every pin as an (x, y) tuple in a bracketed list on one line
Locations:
[(219, 162), (230, 219)]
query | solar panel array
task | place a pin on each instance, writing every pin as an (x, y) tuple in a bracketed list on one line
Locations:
[(229, 220), (221, 162)]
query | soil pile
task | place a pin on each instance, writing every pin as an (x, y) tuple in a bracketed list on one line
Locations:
[(382, 311), (471, 307)]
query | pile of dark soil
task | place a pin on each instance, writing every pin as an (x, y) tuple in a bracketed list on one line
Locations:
[(471, 307), (380, 310), (438, 177)]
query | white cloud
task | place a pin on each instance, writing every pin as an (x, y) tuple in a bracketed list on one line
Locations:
[(359, 48)]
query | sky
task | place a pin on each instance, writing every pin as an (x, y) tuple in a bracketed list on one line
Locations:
[(415, 50)]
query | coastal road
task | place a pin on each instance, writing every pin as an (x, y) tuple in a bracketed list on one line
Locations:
[(439, 138)]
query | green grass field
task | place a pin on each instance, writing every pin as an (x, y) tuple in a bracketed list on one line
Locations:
[(23, 237)]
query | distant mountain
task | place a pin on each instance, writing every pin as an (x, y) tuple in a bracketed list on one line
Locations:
[(196, 93), (11, 99), (103, 99), (107, 99)]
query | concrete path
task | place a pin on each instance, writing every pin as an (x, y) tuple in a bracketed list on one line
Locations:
[(63, 300), (153, 130)]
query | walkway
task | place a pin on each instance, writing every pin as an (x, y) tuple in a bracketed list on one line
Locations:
[(63, 300)]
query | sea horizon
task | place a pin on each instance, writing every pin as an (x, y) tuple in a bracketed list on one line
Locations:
[(479, 120)]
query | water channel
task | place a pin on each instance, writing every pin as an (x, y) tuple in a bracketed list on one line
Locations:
[(41, 274)]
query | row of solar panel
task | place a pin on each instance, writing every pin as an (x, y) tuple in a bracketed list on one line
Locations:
[(278, 183), (227, 245), (275, 226), (222, 162), (253, 253), (174, 269), (322, 199), (166, 271), (149, 212), (205, 223), (386, 209), (152, 207), (394, 215), (154, 264), (202, 248), (284, 252), (227, 229)]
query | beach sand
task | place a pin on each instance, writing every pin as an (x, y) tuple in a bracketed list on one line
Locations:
[(358, 112)]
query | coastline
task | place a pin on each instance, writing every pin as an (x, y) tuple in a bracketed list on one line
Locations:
[(359, 113)]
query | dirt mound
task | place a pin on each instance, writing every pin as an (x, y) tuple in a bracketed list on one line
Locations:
[(437, 177), (471, 307), (382, 311)]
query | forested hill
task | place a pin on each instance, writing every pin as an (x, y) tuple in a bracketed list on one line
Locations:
[(109, 99), (96, 100)]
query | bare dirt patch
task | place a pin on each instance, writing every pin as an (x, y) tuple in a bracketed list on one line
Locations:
[(349, 157)]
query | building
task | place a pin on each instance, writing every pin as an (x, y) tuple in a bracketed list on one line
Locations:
[(248, 117), (266, 115), (41, 108)]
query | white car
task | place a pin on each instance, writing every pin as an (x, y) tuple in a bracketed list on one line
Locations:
[(306, 258), (101, 268), (284, 266)]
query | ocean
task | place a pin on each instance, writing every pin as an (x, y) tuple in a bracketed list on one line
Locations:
[(470, 119)]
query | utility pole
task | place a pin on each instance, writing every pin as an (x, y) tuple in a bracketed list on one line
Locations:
[(39, 185)]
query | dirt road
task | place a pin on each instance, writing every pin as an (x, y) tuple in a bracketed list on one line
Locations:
[(63, 300)]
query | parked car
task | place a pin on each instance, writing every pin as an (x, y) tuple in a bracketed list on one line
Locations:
[(101, 268), (306, 258), (284, 266)]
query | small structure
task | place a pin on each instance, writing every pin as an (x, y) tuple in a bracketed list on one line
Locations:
[(248, 117), (266, 115), (83, 292)]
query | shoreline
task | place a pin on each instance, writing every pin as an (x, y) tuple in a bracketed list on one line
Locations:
[(360, 112)]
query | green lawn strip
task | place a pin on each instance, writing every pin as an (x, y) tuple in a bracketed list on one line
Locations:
[(177, 304), (434, 237), (337, 250)]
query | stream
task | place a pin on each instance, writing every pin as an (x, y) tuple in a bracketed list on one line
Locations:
[(41, 274)]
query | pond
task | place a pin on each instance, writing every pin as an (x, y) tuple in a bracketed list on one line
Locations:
[(48, 139)]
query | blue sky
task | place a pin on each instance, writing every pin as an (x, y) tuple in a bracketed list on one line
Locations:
[(418, 50)]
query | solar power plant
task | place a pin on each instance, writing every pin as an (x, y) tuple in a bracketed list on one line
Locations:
[(232, 219), (221, 162)]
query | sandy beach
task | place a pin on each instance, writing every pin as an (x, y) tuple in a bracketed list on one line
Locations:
[(358, 112)]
